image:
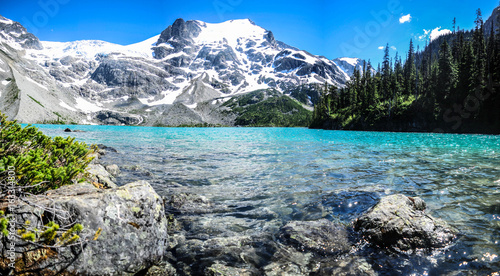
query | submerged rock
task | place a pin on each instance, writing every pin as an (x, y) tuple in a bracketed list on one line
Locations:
[(350, 265), (113, 169), (400, 222), (287, 260), (321, 236), (224, 270), (188, 203), (202, 257), (125, 230)]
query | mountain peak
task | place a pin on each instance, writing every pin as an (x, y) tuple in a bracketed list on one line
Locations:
[(493, 22), (14, 32), (230, 31)]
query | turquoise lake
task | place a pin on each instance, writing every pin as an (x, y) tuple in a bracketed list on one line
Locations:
[(274, 175)]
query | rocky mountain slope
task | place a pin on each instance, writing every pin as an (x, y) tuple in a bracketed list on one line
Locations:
[(182, 76), (493, 22)]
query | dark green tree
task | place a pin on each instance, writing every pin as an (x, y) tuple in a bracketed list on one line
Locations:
[(447, 73), (410, 71)]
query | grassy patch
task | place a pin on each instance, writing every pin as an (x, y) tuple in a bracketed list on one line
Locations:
[(268, 108), (36, 101)]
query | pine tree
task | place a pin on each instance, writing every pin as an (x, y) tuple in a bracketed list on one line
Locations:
[(447, 73), (386, 73), (410, 71), (465, 68), (490, 57), (478, 71)]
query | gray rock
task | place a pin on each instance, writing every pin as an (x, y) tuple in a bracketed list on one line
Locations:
[(270, 38), (145, 80), (287, 63), (106, 148), (194, 256), (492, 22), (19, 34), (224, 270), (163, 269), (178, 35), (400, 222), (133, 227), (98, 174), (348, 266), (113, 169), (188, 203), (289, 261), (321, 236), (116, 118)]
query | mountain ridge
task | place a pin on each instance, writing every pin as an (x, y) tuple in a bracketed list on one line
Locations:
[(189, 63)]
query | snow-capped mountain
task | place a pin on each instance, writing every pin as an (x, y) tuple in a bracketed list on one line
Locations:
[(187, 72), (349, 64)]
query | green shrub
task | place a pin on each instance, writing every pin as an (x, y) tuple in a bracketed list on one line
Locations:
[(41, 163)]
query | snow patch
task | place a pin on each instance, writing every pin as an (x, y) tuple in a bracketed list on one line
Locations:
[(168, 98), (65, 105), (5, 82), (86, 106), (192, 106), (230, 31), (37, 84), (351, 61), (88, 49), (6, 21)]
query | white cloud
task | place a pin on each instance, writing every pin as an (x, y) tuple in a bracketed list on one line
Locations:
[(425, 35), (383, 48), (435, 33), (405, 18)]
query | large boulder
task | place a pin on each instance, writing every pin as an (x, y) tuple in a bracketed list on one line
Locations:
[(132, 236), (399, 222)]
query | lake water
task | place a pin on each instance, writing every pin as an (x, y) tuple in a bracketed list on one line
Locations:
[(282, 174)]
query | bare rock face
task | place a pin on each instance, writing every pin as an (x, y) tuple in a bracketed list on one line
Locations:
[(400, 222), (10, 30)]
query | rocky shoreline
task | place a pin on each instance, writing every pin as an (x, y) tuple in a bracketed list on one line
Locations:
[(145, 234)]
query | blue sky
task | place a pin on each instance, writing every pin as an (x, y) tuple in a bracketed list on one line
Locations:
[(329, 28)]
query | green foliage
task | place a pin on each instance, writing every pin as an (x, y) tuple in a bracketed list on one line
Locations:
[(36, 101), (50, 235), (41, 163), (452, 85), (4, 224), (268, 108), (50, 232), (69, 236)]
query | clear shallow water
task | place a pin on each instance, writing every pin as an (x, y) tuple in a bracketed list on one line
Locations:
[(282, 174)]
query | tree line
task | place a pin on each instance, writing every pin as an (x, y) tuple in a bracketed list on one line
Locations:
[(450, 86)]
